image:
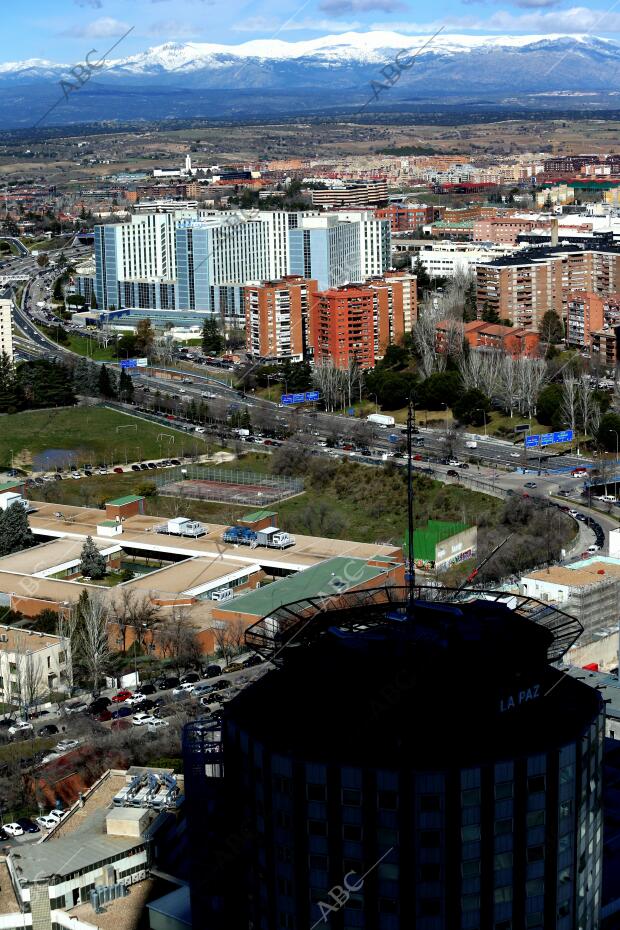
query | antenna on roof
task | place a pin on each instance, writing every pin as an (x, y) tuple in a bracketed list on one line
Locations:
[(410, 503)]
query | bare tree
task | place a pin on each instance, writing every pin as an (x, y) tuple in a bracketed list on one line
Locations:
[(178, 640), (94, 644), (67, 632), (589, 409), (229, 638), (135, 611), (570, 400)]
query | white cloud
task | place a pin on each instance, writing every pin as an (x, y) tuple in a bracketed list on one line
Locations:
[(574, 20), (103, 28), (263, 24)]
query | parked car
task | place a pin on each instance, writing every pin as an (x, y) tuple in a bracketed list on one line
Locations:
[(104, 716), (190, 678), (187, 688), (155, 724), (141, 719), (145, 704), (66, 745), (13, 829), (28, 825), (464, 465), (222, 685), (118, 470), (80, 707), (213, 671), (251, 661), (148, 688), (121, 696), (165, 683), (50, 729), (121, 712), (135, 468), (20, 729), (234, 667), (57, 813), (99, 704), (529, 484), (46, 822)]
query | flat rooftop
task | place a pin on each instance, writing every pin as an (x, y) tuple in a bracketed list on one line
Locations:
[(327, 579), (543, 252), (47, 556), (595, 573)]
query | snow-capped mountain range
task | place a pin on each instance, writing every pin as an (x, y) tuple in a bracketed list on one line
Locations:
[(334, 71)]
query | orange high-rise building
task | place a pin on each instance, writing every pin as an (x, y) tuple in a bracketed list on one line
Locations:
[(276, 318), (342, 325)]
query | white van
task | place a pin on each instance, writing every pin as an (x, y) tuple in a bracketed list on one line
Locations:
[(608, 499), (471, 444)]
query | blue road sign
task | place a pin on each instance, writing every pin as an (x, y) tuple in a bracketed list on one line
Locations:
[(286, 399), (548, 439), (299, 398), (129, 363), (312, 395)]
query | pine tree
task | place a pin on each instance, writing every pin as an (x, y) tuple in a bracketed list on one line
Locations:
[(93, 301), (105, 385), (92, 563), (125, 387), (212, 342), (15, 532)]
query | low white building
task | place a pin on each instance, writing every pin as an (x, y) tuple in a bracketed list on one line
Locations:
[(444, 259), (31, 665), (6, 327)]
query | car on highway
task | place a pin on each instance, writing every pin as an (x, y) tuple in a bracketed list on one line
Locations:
[(579, 473), (529, 484), (13, 829), (464, 465), (451, 473), (121, 696)]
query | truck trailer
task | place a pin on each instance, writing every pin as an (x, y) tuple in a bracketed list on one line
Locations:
[(381, 419), (270, 536), (182, 526)]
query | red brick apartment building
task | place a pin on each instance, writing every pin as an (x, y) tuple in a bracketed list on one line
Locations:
[(481, 335), (585, 312), (362, 320), (404, 217), (342, 325), (276, 318), (524, 286)]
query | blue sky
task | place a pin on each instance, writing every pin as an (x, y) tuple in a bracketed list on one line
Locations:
[(64, 30)]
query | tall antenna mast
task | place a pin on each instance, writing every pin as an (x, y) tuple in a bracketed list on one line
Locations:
[(410, 519)]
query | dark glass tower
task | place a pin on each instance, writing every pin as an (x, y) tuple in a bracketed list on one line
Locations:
[(406, 765)]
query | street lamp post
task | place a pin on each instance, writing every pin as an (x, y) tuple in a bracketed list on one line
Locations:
[(376, 402), (484, 414)]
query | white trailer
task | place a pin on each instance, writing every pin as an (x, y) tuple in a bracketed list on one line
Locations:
[(182, 526), (381, 419), (11, 497)]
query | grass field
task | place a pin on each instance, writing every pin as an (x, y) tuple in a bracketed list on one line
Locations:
[(82, 345), (344, 501), (89, 434)]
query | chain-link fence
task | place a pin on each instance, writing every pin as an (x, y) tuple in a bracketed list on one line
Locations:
[(231, 485)]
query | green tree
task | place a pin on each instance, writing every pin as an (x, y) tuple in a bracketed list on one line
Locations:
[(9, 388), (15, 532), (470, 308), (606, 435), (438, 389), (106, 388), (93, 301), (145, 337), (489, 313), (212, 341), (549, 405), (45, 383), (471, 407), (551, 328), (92, 562), (125, 387)]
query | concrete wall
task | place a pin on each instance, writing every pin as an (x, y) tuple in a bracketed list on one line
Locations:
[(604, 651)]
